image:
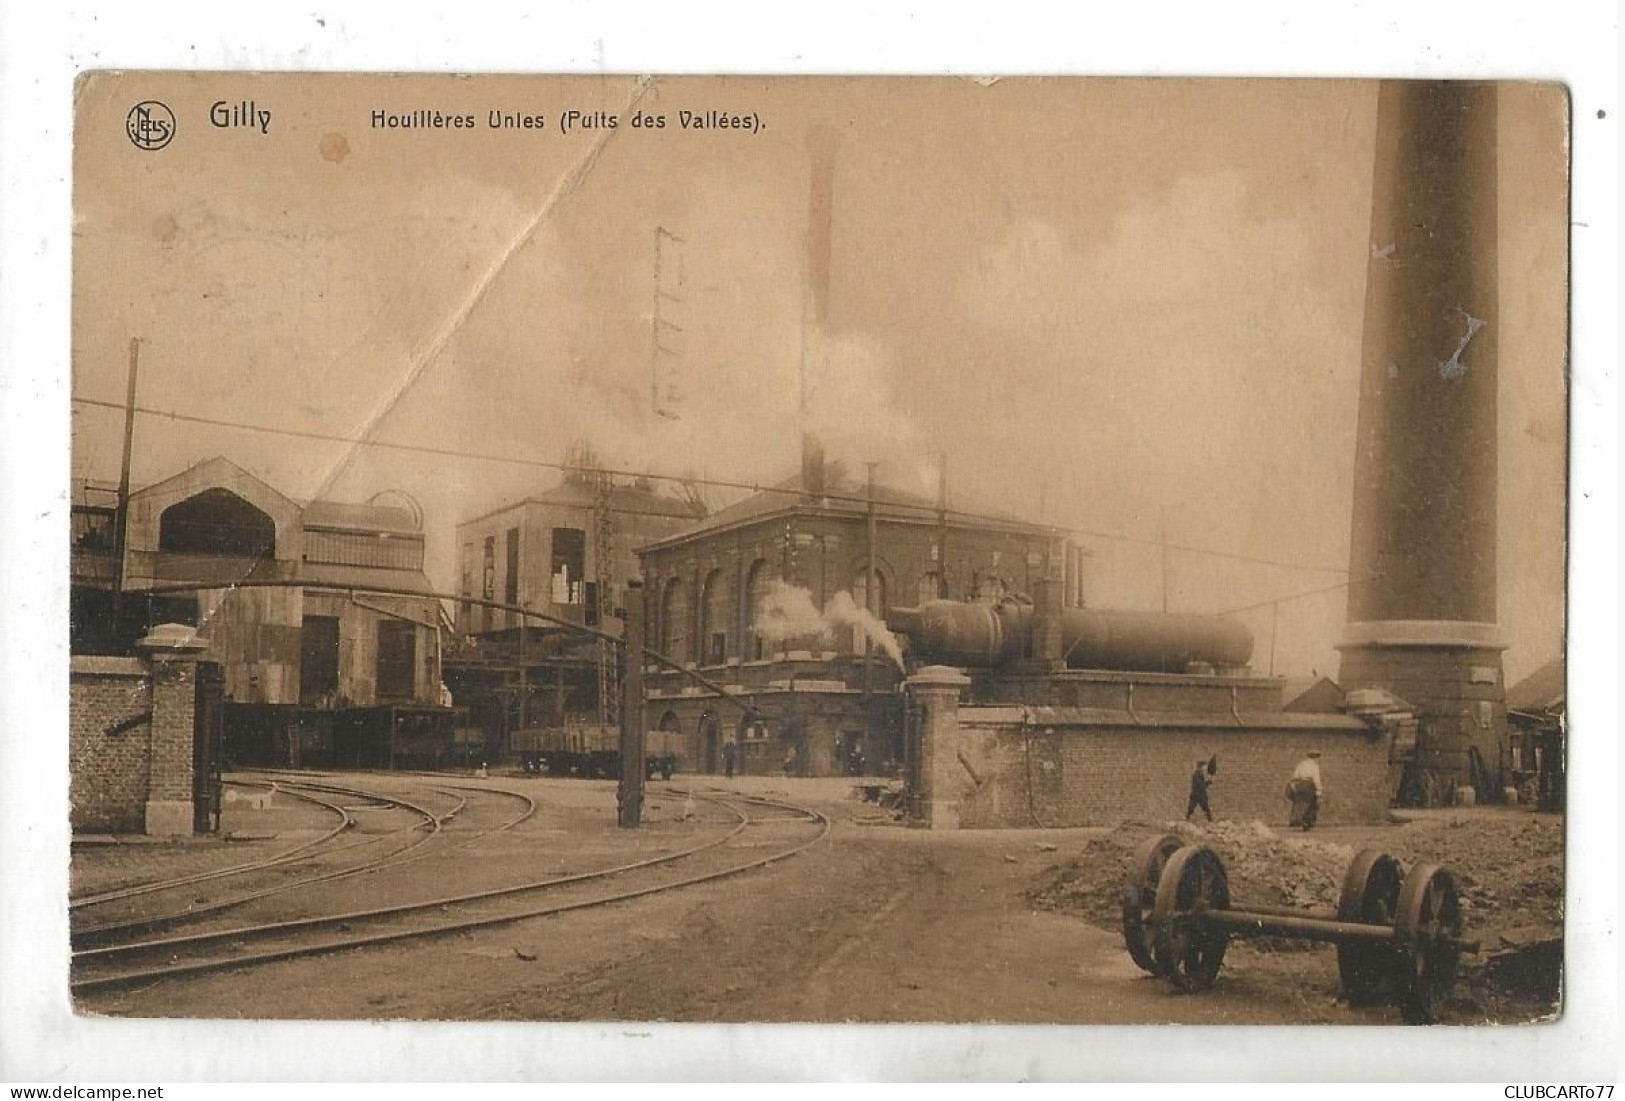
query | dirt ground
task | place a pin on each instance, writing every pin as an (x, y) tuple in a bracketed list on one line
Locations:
[(877, 923), (1507, 864)]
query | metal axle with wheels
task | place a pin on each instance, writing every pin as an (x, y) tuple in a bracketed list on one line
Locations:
[(1398, 937)]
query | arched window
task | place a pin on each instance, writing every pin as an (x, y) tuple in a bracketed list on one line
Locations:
[(757, 580), (674, 621), (666, 737), (877, 604), (990, 586), (714, 624), (217, 522), (709, 735), (932, 587)]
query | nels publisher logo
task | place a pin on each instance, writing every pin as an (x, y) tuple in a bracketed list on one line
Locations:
[(150, 125)]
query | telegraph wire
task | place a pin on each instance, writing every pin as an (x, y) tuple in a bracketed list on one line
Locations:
[(1301, 596), (925, 510)]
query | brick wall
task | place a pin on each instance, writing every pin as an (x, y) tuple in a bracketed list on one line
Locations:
[(813, 721), (174, 696), (1014, 774), (130, 738), (110, 766), (825, 553)]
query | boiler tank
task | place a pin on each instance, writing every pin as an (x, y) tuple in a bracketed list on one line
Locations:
[(984, 635)]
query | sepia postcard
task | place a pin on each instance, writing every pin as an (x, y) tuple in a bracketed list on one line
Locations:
[(839, 549)]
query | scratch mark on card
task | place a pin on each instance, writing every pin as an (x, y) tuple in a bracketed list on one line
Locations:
[(481, 284), (1454, 367)]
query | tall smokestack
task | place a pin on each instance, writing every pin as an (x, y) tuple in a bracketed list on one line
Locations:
[(812, 465), (823, 143), (1421, 609)]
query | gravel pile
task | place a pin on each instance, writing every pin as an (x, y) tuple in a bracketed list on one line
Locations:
[(1508, 868), (1264, 868)]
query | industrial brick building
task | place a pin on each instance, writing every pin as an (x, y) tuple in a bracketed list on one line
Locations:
[(554, 551), (828, 704), (567, 553), (312, 669)]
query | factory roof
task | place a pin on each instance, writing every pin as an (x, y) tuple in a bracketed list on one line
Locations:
[(1310, 694), (360, 577), (842, 496), (338, 516), (1541, 692), (627, 499), (220, 472)]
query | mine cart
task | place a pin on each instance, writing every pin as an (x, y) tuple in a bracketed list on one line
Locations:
[(1398, 934)]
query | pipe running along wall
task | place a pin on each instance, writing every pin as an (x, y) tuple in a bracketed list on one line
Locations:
[(951, 632), (391, 590)]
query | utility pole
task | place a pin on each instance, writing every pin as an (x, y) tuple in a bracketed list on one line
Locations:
[(1163, 527), (524, 678), (121, 518), (942, 523), (629, 795), (1275, 611), (869, 593), (604, 563), (665, 382)]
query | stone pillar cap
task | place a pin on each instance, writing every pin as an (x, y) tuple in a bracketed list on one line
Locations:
[(173, 640), (1422, 632), (1373, 702), (938, 676)]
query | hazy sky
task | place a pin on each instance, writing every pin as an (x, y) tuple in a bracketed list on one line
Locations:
[(1143, 296)]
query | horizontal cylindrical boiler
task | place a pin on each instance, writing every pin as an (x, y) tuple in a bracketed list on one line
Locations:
[(983, 635)]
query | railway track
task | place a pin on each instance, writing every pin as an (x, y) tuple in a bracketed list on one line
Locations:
[(731, 854), (433, 822), (346, 821)]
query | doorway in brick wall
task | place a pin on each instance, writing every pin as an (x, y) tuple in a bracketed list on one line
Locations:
[(208, 712)]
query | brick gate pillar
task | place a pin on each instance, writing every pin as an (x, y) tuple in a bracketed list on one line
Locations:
[(936, 688), (172, 652)]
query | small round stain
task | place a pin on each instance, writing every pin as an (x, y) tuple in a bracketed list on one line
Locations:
[(334, 148), (1601, 113), (165, 228)]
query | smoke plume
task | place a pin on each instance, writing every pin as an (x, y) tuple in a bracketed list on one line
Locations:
[(788, 611)]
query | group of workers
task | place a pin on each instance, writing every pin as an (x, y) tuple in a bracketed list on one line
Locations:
[(1304, 790)]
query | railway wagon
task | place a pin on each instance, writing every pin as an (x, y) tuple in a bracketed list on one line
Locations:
[(589, 750)]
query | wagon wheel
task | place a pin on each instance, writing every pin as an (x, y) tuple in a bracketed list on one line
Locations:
[(1141, 895), (1370, 896), (1187, 949), (1426, 930)]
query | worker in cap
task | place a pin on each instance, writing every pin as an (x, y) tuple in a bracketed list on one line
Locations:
[(1200, 780), (1305, 791)]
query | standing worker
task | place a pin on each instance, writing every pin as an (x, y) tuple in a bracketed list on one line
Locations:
[(1200, 781), (1305, 791), (729, 751)]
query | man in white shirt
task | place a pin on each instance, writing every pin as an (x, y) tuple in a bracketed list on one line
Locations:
[(1305, 791)]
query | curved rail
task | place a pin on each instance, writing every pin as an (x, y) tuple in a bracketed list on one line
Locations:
[(433, 821), (403, 908), (345, 822), (340, 944)]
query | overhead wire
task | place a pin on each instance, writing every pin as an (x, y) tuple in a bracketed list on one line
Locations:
[(923, 510)]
